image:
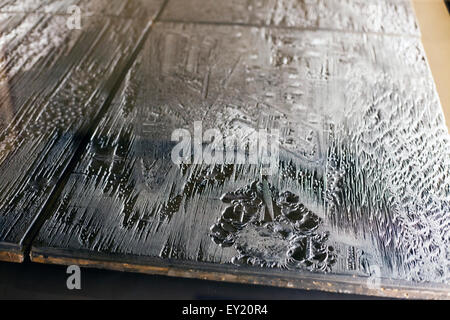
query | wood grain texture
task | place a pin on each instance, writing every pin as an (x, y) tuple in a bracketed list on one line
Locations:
[(122, 8), (353, 110), (383, 16), (54, 81)]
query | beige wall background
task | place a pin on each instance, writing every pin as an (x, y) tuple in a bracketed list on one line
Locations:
[(434, 22)]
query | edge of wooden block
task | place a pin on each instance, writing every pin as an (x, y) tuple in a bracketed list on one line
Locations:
[(11, 253), (252, 275)]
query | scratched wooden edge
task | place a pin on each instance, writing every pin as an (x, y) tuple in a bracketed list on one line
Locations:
[(10, 252), (335, 283)]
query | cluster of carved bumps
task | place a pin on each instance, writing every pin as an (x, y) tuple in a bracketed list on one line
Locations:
[(272, 229)]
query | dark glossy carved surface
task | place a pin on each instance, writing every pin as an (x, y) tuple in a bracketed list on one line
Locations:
[(54, 80), (361, 184)]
